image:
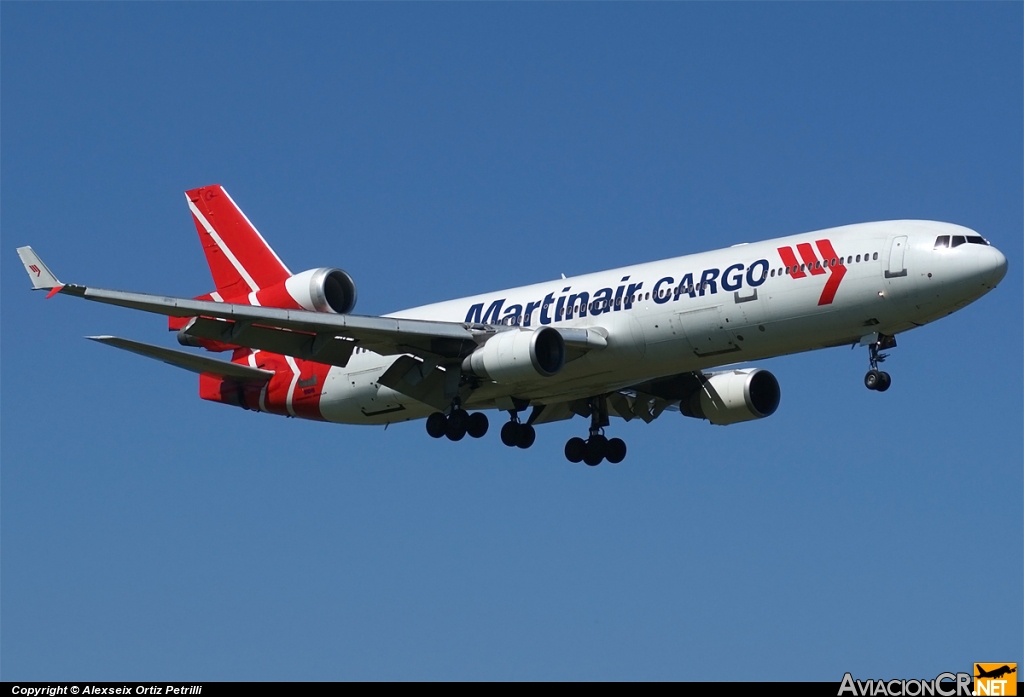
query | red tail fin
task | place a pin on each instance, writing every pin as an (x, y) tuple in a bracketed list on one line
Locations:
[(240, 259)]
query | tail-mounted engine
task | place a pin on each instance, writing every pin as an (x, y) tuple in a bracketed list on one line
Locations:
[(316, 290), (518, 355), (734, 396)]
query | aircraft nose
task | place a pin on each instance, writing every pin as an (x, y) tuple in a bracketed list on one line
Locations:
[(994, 266)]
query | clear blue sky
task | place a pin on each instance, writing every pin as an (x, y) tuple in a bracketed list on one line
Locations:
[(439, 150)]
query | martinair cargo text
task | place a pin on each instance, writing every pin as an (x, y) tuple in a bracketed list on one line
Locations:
[(632, 342)]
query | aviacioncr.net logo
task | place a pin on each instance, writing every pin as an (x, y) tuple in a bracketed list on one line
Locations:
[(943, 685)]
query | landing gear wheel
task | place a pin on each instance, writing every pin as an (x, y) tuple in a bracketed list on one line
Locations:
[(458, 420), (883, 381), (436, 425), (615, 451), (477, 425), (510, 434), (526, 436), (574, 449), (595, 450), (872, 379)]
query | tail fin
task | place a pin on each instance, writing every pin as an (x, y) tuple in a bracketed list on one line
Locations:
[(240, 259)]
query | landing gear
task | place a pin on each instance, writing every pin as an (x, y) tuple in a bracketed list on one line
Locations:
[(457, 424), (875, 379), (596, 448), (436, 424), (518, 435)]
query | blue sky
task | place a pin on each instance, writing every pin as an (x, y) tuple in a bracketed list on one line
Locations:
[(438, 150)]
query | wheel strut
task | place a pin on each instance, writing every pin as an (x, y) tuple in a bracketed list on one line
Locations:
[(597, 447), (876, 379)]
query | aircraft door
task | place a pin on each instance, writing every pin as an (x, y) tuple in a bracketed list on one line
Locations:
[(707, 330), (897, 283), (897, 254)]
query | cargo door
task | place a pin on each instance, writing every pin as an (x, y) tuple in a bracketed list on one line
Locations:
[(707, 330)]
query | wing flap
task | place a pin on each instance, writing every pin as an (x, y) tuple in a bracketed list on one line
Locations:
[(323, 348), (188, 361)]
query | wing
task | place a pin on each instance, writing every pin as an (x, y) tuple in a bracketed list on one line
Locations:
[(323, 337), (188, 361)]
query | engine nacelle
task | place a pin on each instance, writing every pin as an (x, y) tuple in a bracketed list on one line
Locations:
[(518, 355), (734, 396), (317, 290)]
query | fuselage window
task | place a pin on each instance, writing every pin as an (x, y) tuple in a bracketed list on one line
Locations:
[(858, 258), (958, 240), (874, 257), (941, 242), (802, 267), (974, 239), (773, 273), (849, 260), (787, 270)]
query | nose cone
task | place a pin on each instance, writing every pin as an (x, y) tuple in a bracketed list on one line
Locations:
[(993, 266)]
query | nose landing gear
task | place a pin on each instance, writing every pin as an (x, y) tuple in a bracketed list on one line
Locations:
[(596, 448), (876, 379)]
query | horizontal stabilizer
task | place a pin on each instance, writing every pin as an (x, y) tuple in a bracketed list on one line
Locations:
[(188, 361), (42, 277)]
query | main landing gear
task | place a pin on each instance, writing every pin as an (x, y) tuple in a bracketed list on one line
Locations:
[(518, 435), (876, 379), (457, 424), (597, 447)]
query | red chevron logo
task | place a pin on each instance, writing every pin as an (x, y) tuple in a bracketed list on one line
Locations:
[(830, 263)]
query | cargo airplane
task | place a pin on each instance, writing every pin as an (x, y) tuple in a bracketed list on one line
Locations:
[(632, 342)]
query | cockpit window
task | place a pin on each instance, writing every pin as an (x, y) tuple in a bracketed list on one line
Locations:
[(941, 242), (959, 240), (975, 239)]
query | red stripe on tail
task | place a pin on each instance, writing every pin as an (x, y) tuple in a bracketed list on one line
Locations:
[(240, 259)]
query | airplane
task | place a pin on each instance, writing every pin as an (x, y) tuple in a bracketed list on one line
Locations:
[(632, 342), (996, 673)]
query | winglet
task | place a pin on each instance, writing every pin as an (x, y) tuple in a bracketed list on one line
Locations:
[(42, 277)]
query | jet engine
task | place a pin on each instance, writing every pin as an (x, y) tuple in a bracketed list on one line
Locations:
[(734, 396), (518, 355), (318, 290)]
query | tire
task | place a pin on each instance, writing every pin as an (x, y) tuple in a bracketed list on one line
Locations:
[(615, 451), (526, 436), (594, 452), (436, 425), (510, 434), (871, 380), (457, 422), (574, 450), (883, 382), (477, 425)]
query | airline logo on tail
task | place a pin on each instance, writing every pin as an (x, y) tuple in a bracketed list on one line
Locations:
[(829, 263)]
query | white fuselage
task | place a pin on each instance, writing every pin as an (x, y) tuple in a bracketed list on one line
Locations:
[(705, 310)]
